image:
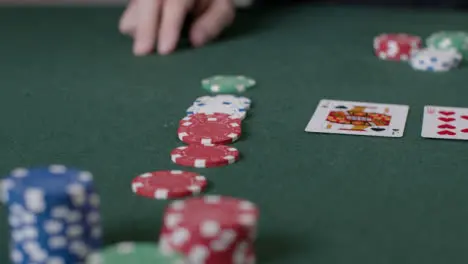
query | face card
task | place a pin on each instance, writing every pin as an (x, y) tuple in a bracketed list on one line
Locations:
[(445, 122), (358, 118)]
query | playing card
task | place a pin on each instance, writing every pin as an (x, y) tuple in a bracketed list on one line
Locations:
[(358, 118), (445, 122)]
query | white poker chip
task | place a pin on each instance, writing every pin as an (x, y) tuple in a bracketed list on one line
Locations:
[(218, 108), (435, 60), (225, 99)]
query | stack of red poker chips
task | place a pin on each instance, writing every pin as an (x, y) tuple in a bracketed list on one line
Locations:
[(396, 46), (211, 230), (209, 130), (204, 156)]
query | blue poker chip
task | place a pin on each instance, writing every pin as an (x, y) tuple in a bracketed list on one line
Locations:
[(54, 180), (235, 106), (225, 99), (210, 109), (434, 60), (53, 215)]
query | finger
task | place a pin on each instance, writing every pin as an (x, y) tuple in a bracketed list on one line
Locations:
[(147, 26), (173, 17), (211, 23), (128, 20)]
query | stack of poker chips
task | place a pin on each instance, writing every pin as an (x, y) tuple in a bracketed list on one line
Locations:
[(450, 40), (396, 46), (211, 123), (445, 50), (435, 60), (211, 230), (54, 215)]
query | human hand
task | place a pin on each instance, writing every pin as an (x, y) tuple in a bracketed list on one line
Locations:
[(157, 24)]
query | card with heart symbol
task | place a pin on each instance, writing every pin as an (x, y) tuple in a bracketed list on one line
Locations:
[(445, 122)]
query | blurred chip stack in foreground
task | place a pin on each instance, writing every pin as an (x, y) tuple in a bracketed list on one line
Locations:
[(54, 215), (211, 230)]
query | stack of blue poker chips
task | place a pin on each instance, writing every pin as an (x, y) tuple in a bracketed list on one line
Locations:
[(54, 215)]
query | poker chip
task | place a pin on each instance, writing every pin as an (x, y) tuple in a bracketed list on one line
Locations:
[(211, 229), (225, 99), (204, 156), (134, 252), (217, 108), (396, 46), (434, 60), (208, 129), (446, 40), (163, 185), (53, 214), (225, 210), (228, 84)]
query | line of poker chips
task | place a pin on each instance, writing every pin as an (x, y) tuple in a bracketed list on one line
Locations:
[(204, 229), (211, 230), (445, 50), (54, 214), (210, 123)]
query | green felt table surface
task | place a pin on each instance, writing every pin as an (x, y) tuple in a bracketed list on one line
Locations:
[(72, 93)]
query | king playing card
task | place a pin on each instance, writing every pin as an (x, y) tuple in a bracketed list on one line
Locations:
[(445, 122), (358, 118)]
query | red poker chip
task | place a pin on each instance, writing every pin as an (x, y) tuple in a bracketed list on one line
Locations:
[(223, 226), (163, 185), (396, 46), (226, 246), (225, 210), (208, 129), (204, 156)]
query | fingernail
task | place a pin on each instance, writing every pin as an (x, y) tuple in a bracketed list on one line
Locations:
[(164, 47), (199, 38), (141, 48)]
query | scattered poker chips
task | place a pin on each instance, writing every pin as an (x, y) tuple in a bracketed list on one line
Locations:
[(53, 214), (446, 40), (208, 129), (228, 83), (163, 185), (204, 156), (445, 50), (396, 46), (134, 253), (211, 230), (435, 60)]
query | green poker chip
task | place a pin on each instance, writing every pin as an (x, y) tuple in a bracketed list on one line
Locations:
[(445, 40), (135, 253), (228, 83)]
